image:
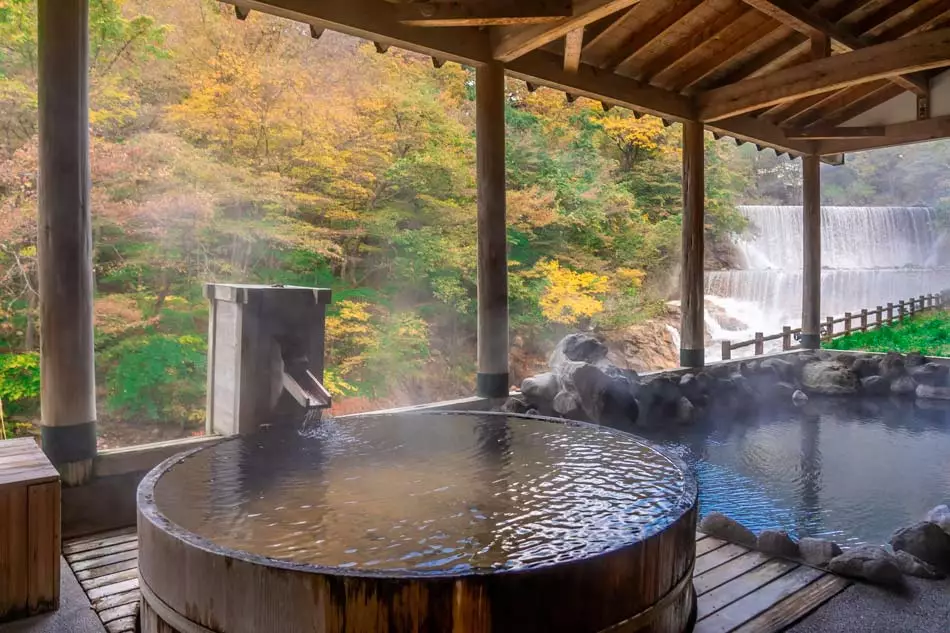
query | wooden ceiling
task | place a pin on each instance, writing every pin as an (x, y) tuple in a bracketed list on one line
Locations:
[(785, 74)]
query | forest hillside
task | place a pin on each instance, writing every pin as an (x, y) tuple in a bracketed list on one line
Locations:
[(227, 150)]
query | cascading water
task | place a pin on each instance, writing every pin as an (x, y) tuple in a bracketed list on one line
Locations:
[(870, 255)]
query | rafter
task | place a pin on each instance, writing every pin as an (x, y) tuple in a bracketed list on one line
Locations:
[(894, 134), (823, 133), (573, 44), (651, 26), (921, 52), (812, 25), (482, 12), (513, 42)]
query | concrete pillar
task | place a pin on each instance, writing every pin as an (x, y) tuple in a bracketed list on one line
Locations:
[(692, 330), (492, 379), (68, 390), (811, 270)]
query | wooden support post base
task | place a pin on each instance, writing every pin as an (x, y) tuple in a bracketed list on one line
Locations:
[(71, 449), (492, 385), (75, 473), (692, 357), (811, 341)]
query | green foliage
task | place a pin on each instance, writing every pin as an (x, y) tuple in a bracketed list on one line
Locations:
[(157, 378), (928, 333), (19, 383)]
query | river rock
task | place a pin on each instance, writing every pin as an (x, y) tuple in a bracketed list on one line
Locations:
[(783, 390), (866, 366), (913, 359), (567, 405), (926, 541), (845, 358), (783, 369), (903, 386), (540, 390), (941, 516), (604, 400), (777, 543), (684, 410), (578, 347), (929, 374), (868, 562), (892, 366), (934, 393), (875, 386), (818, 551), (829, 378), (800, 398), (516, 404), (913, 566), (720, 526)]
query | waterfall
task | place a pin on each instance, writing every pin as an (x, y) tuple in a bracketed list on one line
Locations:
[(870, 255)]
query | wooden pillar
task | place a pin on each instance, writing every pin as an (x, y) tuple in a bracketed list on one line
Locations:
[(68, 385), (492, 378), (692, 331), (811, 271)]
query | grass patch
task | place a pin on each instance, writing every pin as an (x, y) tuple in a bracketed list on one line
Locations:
[(928, 333)]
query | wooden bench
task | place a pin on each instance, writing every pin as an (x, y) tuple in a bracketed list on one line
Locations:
[(29, 530)]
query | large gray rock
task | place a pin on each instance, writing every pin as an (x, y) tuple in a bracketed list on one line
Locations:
[(830, 378), (579, 347), (868, 562), (783, 369), (777, 543), (910, 565), (800, 398), (941, 516), (926, 541), (567, 404), (516, 404), (540, 390), (929, 374), (720, 526), (913, 359), (604, 400), (933, 393), (818, 551), (685, 411), (903, 386), (875, 386), (892, 366), (866, 366)]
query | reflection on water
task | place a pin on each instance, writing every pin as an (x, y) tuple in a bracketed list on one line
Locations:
[(848, 469), (427, 493)]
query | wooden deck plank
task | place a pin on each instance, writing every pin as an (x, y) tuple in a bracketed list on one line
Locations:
[(73, 547), (97, 572), (103, 551), (82, 541), (707, 545), (85, 565), (122, 625), (125, 611), (726, 572), (742, 586), (717, 557), (759, 601), (117, 600), (109, 590), (111, 579), (796, 606)]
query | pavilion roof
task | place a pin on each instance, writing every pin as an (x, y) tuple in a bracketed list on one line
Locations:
[(801, 76)]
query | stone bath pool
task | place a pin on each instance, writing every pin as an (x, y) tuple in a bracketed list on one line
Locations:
[(852, 470)]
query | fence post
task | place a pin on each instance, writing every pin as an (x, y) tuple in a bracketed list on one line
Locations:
[(847, 323), (830, 327), (864, 319), (786, 338), (759, 344), (910, 307), (878, 313), (726, 350), (923, 302), (890, 312), (900, 310)]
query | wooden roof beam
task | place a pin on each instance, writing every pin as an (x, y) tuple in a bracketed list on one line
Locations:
[(792, 14), (894, 134), (822, 133), (920, 52), (573, 44), (482, 12), (512, 42)]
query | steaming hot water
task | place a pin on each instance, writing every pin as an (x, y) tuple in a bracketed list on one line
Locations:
[(425, 493), (870, 256)]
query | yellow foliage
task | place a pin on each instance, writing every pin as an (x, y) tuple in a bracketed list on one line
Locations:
[(627, 131), (631, 277), (569, 295), (531, 208)]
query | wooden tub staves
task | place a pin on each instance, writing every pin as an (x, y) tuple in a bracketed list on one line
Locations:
[(190, 584)]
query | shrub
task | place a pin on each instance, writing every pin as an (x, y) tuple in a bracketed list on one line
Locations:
[(20, 382)]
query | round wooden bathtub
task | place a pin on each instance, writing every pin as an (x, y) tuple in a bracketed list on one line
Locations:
[(453, 522)]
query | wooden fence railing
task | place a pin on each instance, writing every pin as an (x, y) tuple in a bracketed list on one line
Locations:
[(882, 315)]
